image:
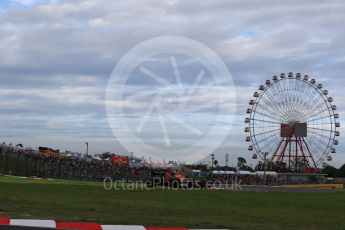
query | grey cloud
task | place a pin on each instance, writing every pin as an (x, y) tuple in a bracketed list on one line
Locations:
[(68, 50)]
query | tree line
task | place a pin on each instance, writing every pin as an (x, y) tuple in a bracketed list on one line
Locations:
[(334, 172)]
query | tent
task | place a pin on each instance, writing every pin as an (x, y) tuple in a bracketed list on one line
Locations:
[(244, 173), (223, 172), (267, 174)]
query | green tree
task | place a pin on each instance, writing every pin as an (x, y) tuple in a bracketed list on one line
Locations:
[(241, 162), (215, 163), (330, 171), (105, 155), (341, 171)]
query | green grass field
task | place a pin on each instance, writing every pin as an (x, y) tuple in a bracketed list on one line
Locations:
[(88, 201)]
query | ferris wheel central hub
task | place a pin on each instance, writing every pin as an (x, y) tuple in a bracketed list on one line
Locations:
[(294, 129)]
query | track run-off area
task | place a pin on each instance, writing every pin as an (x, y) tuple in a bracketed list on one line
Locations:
[(251, 208)]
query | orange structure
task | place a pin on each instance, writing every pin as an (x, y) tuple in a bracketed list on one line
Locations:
[(120, 160), (48, 151)]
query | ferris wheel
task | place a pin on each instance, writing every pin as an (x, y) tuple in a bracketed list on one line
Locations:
[(292, 120)]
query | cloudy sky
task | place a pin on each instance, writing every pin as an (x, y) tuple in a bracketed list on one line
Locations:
[(57, 57)]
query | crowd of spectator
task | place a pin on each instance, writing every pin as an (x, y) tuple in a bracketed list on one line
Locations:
[(24, 162)]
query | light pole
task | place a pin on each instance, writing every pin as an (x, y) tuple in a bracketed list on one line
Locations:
[(87, 148), (212, 155), (227, 161), (265, 165)]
